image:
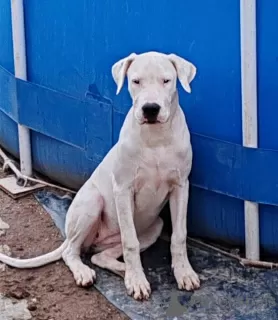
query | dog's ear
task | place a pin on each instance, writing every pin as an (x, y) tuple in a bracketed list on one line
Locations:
[(119, 70), (186, 71)]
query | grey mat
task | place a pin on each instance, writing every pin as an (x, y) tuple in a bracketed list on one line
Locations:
[(228, 290)]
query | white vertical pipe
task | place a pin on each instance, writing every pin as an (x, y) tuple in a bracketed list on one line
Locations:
[(19, 51), (249, 114)]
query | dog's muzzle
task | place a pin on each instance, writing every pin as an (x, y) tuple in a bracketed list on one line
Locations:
[(150, 112)]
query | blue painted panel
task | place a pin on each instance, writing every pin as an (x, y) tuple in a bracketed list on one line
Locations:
[(8, 94), (61, 162), (268, 228), (220, 218), (86, 124), (267, 30), (267, 33), (99, 131), (86, 39), (52, 113), (8, 134), (6, 56), (246, 173), (215, 216)]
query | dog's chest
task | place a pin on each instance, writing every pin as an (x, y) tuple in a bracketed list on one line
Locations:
[(155, 171)]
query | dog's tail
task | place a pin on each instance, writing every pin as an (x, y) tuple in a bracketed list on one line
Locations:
[(34, 262)]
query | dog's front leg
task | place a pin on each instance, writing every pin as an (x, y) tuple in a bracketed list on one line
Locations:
[(184, 274), (135, 279)]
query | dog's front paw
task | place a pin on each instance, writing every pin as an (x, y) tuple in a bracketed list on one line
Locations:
[(84, 276), (137, 285), (186, 277)]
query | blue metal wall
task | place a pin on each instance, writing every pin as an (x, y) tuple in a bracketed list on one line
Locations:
[(71, 106)]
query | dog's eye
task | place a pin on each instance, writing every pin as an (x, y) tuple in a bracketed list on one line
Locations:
[(136, 81), (166, 80)]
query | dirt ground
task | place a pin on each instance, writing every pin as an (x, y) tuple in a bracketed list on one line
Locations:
[(50, 291)]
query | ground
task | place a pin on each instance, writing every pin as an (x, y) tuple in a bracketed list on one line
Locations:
[(50, 291)]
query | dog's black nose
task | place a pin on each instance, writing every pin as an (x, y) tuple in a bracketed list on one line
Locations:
[(150, 111)]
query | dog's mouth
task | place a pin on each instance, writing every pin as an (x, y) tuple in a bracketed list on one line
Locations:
[(146, 121)]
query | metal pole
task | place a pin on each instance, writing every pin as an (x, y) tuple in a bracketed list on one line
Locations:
[(249, 114), (19, 51)]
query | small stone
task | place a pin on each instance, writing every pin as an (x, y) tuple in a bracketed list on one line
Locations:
[(2, 267), (32, 306), (5, 249), (10, 309), (3, 225)]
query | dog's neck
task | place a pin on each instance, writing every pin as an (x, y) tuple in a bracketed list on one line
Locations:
[(160, 134)]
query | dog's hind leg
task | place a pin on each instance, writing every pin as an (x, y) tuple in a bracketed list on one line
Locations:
[(107, 259), (83, 219)]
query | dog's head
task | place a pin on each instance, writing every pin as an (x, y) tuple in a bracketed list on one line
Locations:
[(152, 80)]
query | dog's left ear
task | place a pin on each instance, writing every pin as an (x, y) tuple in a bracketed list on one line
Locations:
[(186, 71), (119, 70)]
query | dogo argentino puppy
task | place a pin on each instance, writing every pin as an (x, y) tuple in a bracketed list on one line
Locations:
[(117, 210)]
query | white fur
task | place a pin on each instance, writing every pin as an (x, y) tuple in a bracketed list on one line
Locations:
[(117, 210)]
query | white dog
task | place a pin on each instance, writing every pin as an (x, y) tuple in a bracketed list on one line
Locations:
[(117, 210)]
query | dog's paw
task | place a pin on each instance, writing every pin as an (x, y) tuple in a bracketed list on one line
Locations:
[(137, 285), (84, 276), (186, 277)]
